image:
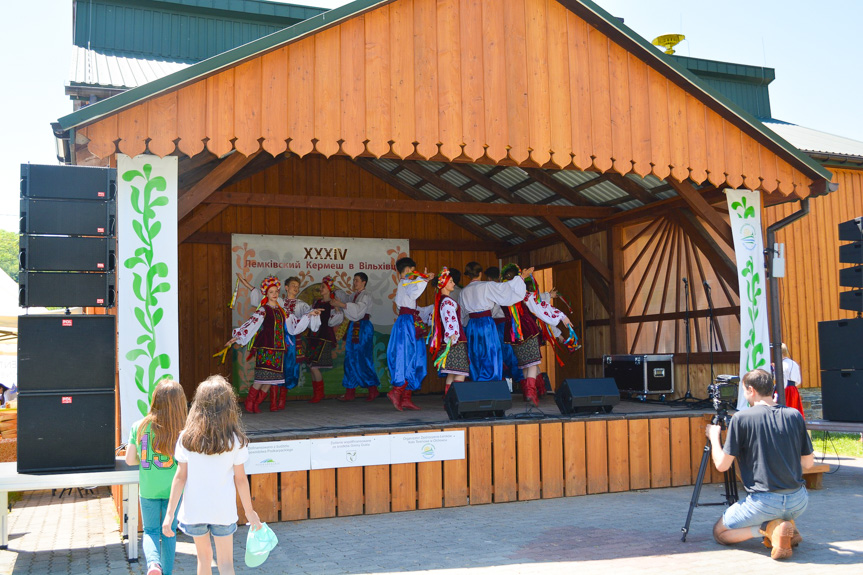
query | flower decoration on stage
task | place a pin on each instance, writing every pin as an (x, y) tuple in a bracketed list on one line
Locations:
[(267, 283)]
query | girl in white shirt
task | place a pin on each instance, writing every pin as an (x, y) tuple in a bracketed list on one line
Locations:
[(211, 452)]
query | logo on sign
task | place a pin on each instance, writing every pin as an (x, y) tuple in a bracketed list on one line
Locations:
[(268, 461), (427, 451), (747, 236), (66, 323), (66, 399), (351, 456)]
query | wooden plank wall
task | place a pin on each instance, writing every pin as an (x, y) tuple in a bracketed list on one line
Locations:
[(809, 292), (518, 81), (205, 269), (504, 463)]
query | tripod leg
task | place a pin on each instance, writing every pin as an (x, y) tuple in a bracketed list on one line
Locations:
[(696, 491)]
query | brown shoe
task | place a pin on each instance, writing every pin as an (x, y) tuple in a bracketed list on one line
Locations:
[(780, 533), (796, 539)]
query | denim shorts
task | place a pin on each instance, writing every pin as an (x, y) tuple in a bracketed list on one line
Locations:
[(199, 529), (760, 507)]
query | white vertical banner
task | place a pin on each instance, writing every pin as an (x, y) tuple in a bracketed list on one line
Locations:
[(147, 303), (744, 210)]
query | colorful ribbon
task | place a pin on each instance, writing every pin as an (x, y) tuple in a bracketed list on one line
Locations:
[(234, 297), (221, 354)]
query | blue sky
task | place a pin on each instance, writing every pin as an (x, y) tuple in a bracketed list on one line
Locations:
[(815, 50)]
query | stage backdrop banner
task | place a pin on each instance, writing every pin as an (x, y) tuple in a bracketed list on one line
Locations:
[(279, 456), (419, 447), (147, 307), (744, 210), (308, 258), (333, 452)]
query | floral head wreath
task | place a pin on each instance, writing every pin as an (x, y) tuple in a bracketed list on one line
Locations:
[(329, 282), (269, 282), (443, 278), (508, 267)]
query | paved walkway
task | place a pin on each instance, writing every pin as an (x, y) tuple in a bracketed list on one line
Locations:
[(612, 533)]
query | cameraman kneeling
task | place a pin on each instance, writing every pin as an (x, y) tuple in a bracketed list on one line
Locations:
[(772, 447)]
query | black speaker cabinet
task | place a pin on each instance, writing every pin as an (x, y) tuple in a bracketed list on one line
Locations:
[(66, 352), (67, 217), (641, 374), (842, 395), (477, 399), (65, 431), (851, 253), (841, 344), (851, 300), (67, 254), (851, 231), (68, 182), (851, 277), (587, 396), (65, 289)]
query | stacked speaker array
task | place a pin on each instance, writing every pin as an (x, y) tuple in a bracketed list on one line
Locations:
[(66, 363), (841, 342)]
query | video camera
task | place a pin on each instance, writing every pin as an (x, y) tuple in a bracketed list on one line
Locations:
[(723, 395)]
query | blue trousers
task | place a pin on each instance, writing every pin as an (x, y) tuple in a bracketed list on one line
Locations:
[(484, 350), (359, 358), (510, 362), (406, 355), (290, 365), (158, 548)]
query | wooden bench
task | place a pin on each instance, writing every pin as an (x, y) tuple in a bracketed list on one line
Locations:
[(813, 476)]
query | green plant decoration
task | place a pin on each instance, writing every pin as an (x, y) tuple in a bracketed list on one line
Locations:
[(755, 358), (146, 285), (742, 210)]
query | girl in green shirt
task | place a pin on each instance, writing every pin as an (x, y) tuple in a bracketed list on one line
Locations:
[(151, 444)]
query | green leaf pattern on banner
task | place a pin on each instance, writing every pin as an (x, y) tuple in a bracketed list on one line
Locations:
[(149, 364)]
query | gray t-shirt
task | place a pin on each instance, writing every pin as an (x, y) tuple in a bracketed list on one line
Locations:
[(768, 443)]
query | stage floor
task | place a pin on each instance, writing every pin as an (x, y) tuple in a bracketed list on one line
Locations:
[(330, 417)]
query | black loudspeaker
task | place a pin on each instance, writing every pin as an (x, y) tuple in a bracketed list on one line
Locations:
[(851, 277), (851, 300), (477, 399), (842, 395), (65, 431), (65, 289), (851, 253), (587, 396), (63, 253), (68, 182), (841, 344), (851, 231), (66, 352), (67, 217)]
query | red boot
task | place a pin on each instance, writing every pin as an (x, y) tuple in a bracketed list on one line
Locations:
[(283, 397), (373, 393), (522, 385), (395, 396), (250, 400), (317, 391), (539, 386), (274, 397), (530, 390), (406, 400), (446, 391), (350, 394), (259, 399)]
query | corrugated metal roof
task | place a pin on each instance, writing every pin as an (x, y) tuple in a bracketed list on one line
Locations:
[(534, 192), (810, 140), (573, 178), (110, 70), (603, 192)]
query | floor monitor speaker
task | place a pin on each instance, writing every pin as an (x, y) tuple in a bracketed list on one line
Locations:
[(477, 399), (598, 395)]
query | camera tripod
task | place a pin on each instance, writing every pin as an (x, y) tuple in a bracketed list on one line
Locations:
[(730, 478)]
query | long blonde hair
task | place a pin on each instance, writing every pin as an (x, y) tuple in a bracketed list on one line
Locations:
[(167, 416), (214, 419)]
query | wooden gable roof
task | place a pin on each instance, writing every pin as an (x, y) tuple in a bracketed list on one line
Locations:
[(532, 83)]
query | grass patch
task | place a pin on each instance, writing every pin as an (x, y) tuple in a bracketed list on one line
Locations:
[(841, 443)]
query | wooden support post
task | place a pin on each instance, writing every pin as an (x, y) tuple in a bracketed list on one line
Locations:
[(617, 293)]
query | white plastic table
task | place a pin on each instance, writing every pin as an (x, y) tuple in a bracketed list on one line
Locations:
[(122, 474)]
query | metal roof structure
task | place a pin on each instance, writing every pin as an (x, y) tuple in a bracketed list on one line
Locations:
[(821, 145), (116, 72)]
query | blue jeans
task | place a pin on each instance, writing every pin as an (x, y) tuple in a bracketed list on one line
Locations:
[(153, 512), (760, 507)]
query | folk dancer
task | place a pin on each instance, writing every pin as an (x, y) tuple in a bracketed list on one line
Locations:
[(359, 340), (406, 351), (477, 300), (266, 331), (510, 363), (524, 334), (294, 354), (447, 339), (322, 338)]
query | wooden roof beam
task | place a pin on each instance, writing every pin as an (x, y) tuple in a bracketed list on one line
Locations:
[(215, 179), (486, 182), (632, 188), (579, 249), (700, 206)]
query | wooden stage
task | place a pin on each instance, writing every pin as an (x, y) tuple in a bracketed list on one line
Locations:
[(531, 454)]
